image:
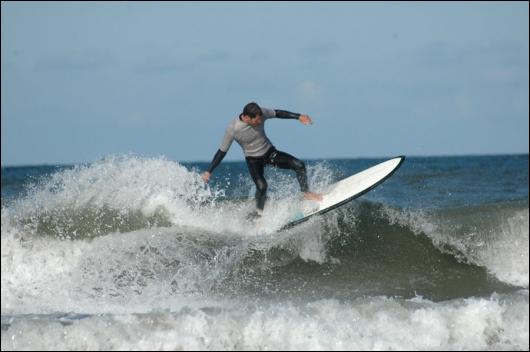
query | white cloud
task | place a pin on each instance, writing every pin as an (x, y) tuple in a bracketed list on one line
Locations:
[(308, 92), (504, 74)]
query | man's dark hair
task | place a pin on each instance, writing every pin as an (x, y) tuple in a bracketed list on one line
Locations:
[(252, 110)]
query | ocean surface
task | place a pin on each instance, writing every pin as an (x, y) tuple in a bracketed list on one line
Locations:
[(137, 253)]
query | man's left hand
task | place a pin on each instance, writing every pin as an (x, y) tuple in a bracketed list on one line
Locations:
[(305, 119)]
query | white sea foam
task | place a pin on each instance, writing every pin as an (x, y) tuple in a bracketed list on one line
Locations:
[(377, 323), (506, 256), (122, 272), (42, 273), (153, 288), (128, 184), (497, 240)]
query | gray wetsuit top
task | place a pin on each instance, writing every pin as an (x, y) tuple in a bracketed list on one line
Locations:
[(252, 139)]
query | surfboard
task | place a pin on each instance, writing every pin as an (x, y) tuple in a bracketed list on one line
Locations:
[(346, 190)]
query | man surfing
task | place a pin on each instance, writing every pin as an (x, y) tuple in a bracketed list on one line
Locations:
[(248, 130)]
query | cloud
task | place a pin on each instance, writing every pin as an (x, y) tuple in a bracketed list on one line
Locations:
[(308, 92), (502, 74), (441, 54), (164, 64), (86, 60), (493, 53), (160, 66), (319, 48), (259, 55), (215, 56), (136, 117)]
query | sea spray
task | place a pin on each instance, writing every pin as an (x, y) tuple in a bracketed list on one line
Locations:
[(138, 253)]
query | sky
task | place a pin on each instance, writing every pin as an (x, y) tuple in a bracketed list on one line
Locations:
[(85, 80)]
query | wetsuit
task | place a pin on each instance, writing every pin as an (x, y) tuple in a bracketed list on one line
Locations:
[(260, 152)]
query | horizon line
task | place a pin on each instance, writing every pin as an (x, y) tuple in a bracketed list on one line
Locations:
[(21, 165)]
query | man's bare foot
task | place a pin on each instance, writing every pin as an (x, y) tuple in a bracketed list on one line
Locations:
[(317, 197)]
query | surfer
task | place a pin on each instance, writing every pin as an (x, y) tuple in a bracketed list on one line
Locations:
[(248, 130)]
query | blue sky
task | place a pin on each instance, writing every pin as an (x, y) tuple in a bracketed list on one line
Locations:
[(84, 80)]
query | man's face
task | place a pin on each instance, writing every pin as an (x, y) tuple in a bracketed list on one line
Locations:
[(253, 121)]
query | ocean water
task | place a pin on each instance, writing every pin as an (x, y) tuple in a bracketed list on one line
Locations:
[(137, 253)]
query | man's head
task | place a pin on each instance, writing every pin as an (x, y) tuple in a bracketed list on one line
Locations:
[(252, 114)]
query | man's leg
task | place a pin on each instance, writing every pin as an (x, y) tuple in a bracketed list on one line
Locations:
[(256, 169), (287, 161)]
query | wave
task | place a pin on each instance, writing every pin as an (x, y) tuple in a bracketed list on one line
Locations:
[(497, 322), (372, 248), (116, 230), (367, 256)]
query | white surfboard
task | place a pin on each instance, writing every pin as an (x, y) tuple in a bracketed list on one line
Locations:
[(347, 189)]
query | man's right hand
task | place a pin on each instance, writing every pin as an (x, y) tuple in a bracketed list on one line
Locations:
[(206, 176)]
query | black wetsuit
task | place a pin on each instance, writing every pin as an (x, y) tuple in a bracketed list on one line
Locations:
[(256, 166)]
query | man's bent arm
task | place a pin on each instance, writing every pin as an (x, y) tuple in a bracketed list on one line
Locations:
[(228, 138), (218, 157)]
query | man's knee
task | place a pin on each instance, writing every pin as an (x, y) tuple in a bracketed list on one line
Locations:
[(299, 165)]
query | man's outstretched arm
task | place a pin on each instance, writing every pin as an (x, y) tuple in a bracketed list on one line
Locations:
[(283, 114)]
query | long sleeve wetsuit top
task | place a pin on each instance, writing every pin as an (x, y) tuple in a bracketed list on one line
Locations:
[(252, 139)]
